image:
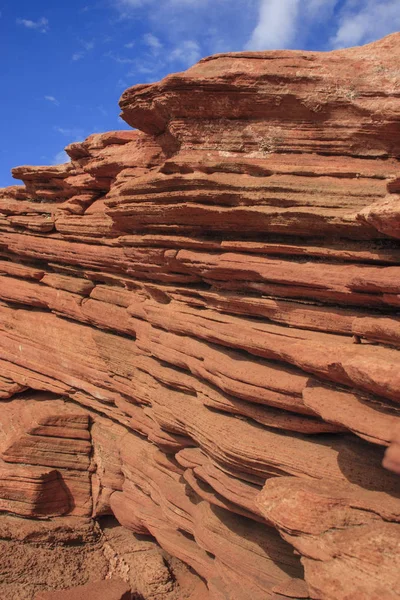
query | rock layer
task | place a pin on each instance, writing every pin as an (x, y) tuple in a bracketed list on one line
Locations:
[(200, 328)]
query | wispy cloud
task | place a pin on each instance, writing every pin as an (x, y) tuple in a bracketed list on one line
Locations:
[(52, 99), (362, 21), (102, 110), (41, 24), (122, 84), (122, 60), (60, 157), (153, 43), (125, 6), (223, 25), (345, 23), (180, 32), (214, 25), (160, 60), (319, 8), (74, 134), (187, 53), (87, 47)]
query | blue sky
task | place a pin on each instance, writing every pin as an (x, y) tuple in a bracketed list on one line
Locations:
[(64, 64)]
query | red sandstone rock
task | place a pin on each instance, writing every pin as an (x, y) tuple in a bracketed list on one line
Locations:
[(199, 331), (384, 215), (112, 589), (392, 455), (336, 528)]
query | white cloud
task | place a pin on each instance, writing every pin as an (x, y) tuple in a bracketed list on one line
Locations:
[(187, 53), (128, 8), (60, 157), (362, 21), (289, 23), (79, 54), (214, 25), (41, 24), (122, 84), (180, 32), (87, 45), (52, 99), (74, 134), (122, 60), (153, 43), (277, 25), (143, 67), (157, 65)]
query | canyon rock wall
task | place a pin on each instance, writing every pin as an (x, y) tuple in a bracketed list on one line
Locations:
[(200, 324)]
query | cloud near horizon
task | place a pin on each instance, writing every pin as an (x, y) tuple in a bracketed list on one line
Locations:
[(60, 158), (363, 21), (87, 53), (223, 26), (292, 23)]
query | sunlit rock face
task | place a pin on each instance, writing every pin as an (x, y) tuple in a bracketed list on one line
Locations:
[(200, 331)]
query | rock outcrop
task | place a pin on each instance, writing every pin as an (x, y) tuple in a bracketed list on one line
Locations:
[(200, 326)]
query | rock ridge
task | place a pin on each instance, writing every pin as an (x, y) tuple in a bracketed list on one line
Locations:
[(200, 329)]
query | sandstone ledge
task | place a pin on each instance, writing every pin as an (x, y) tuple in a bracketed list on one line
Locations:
[(200, 327)]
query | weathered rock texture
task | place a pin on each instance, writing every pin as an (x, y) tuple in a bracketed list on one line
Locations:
[(200, 328), (41, 559)]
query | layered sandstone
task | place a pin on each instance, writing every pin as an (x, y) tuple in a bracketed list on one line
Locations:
[(200, 328)]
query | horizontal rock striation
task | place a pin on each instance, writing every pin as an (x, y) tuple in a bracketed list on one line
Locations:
[(200, 324)]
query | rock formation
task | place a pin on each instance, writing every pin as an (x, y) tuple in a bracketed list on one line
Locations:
[(200, 328)]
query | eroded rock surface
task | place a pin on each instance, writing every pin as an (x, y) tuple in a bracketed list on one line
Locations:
[(200, 330)]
